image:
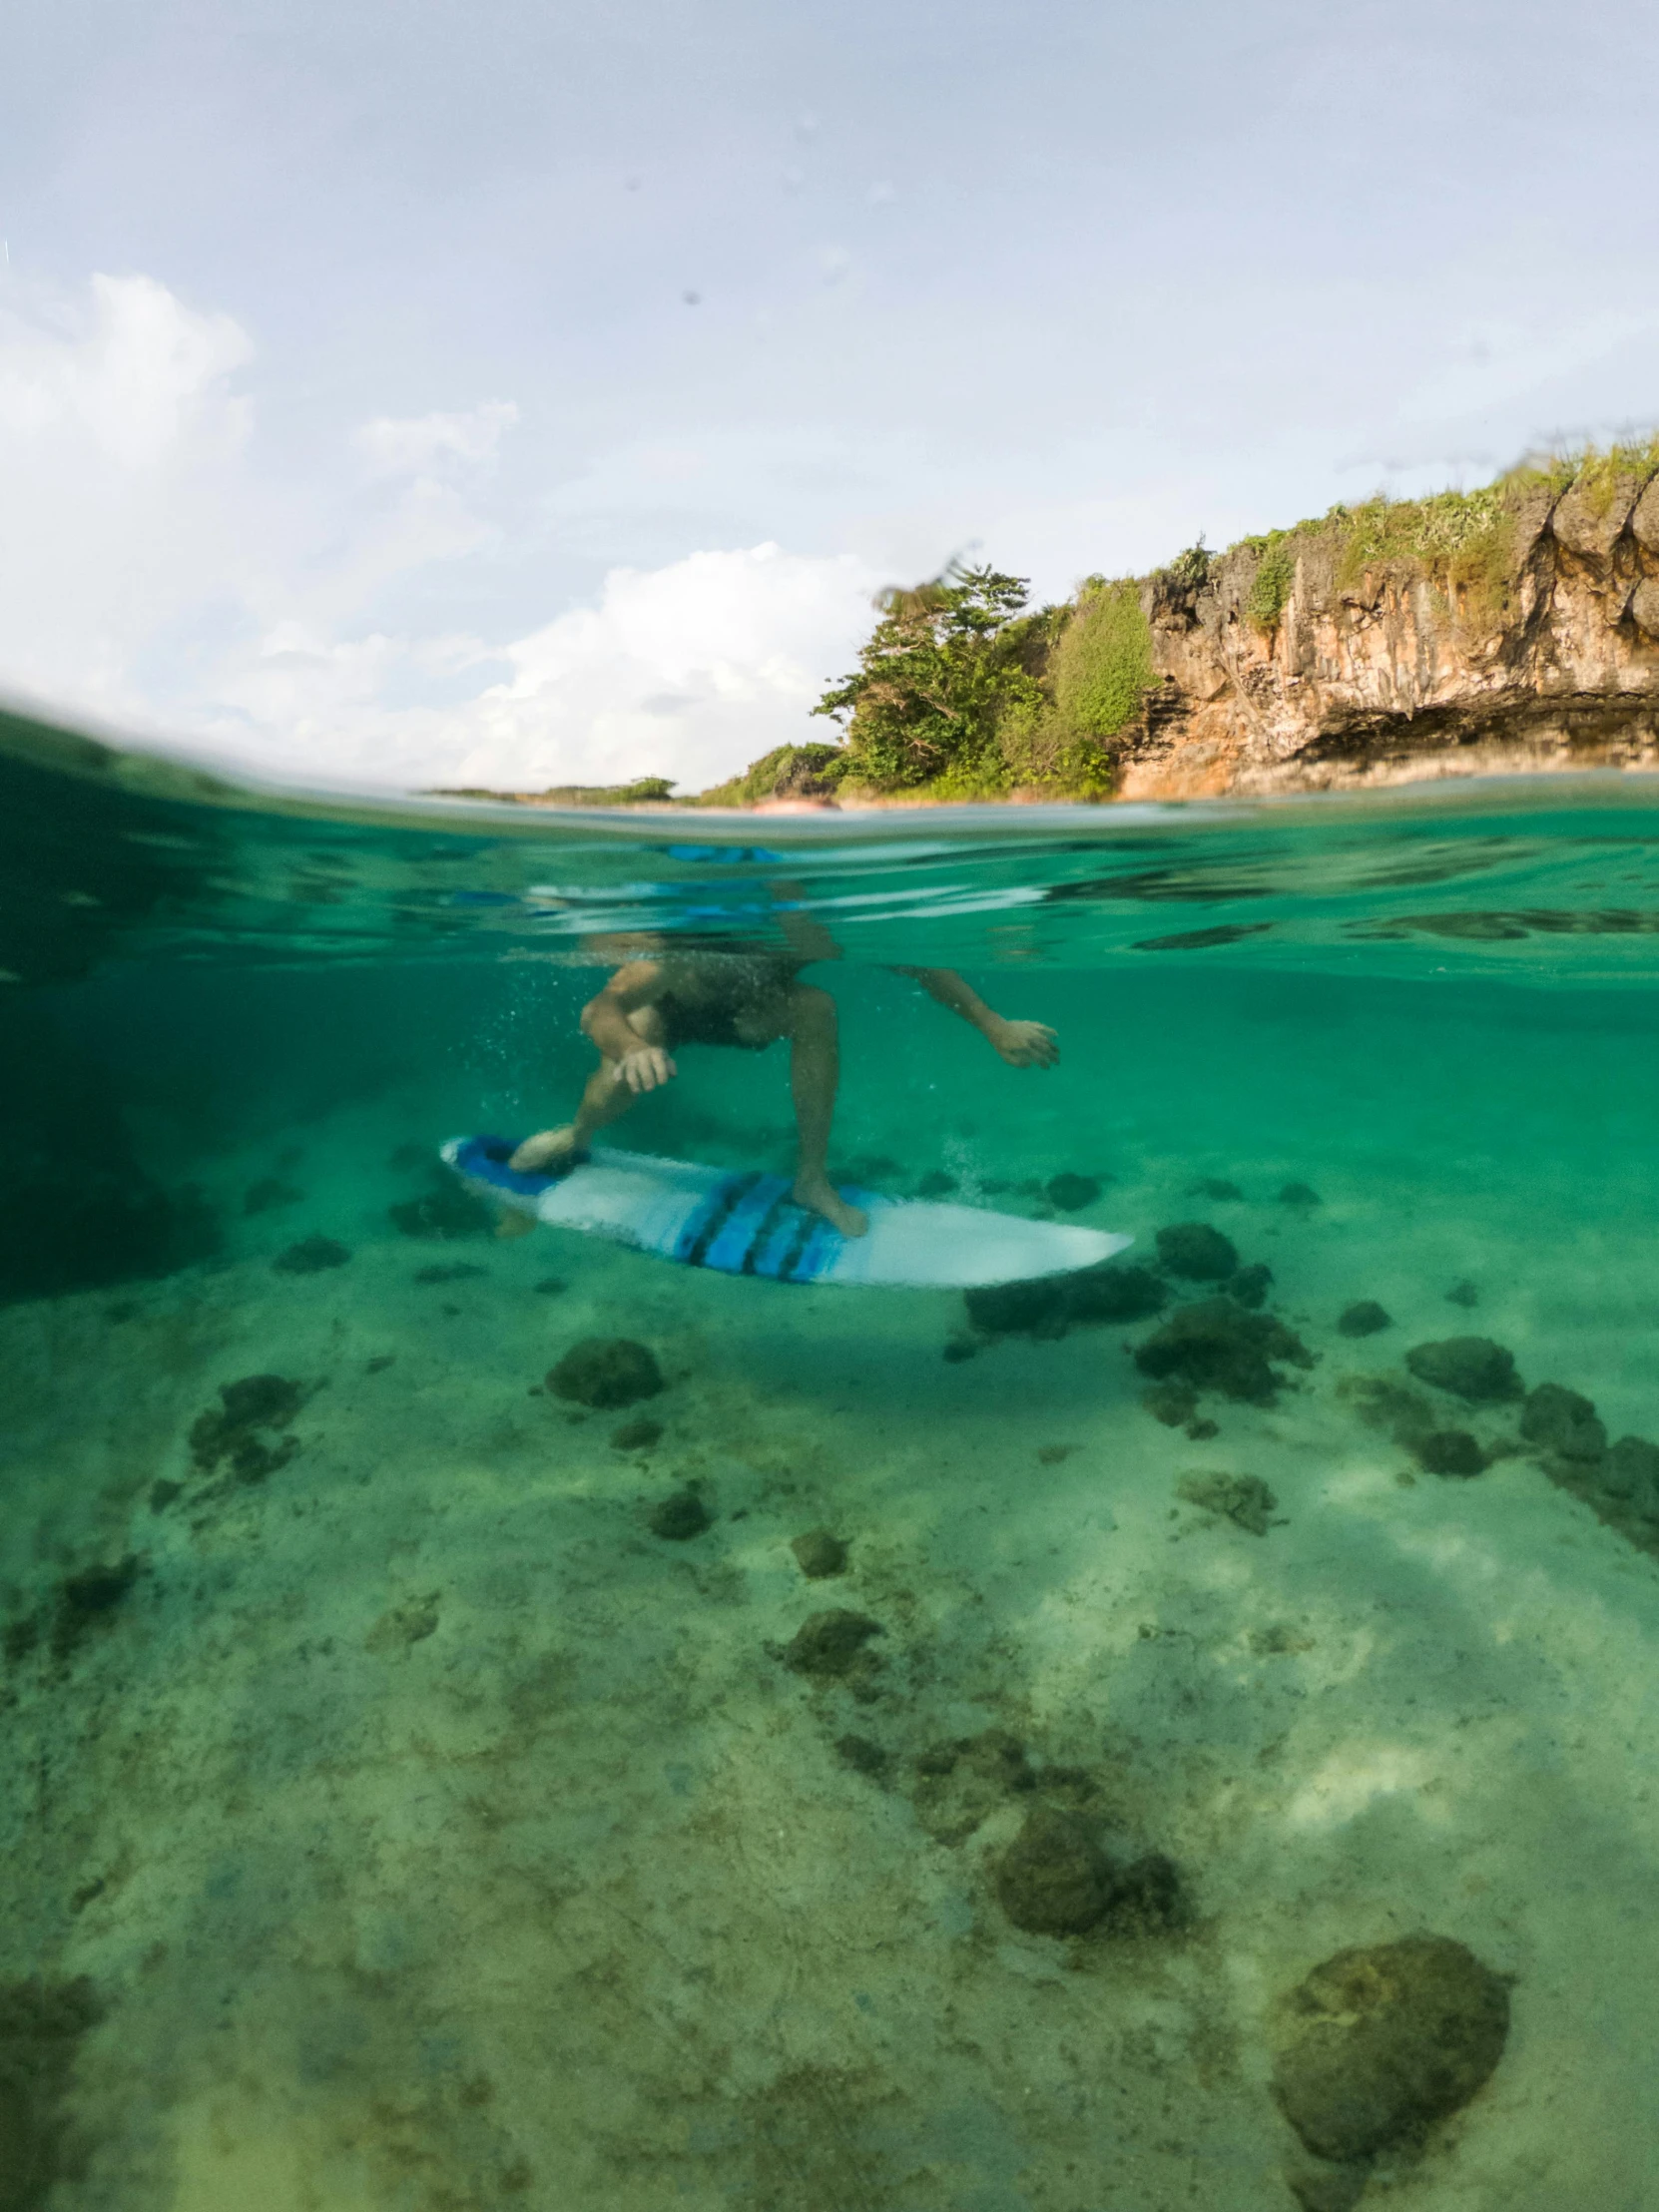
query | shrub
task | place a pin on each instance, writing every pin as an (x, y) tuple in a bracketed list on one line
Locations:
[(1102, 661), (784, 765), (1271, 586), (942, 667)]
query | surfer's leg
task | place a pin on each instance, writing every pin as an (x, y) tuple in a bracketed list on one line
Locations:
[(814, 1070), (605, 1097)]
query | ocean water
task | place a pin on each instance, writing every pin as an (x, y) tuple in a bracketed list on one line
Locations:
[(398, 1820)]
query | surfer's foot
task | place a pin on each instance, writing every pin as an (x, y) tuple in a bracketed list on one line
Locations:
[(819, 1196), (550, 1148), (511, 1224)]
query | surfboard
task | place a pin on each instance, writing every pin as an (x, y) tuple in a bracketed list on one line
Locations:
[(747, 1223)]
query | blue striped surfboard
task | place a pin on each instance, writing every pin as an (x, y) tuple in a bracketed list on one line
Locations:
[(748, 1223)]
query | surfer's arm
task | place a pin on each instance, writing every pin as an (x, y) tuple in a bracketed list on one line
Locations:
[(1023, 1044), (639, 1062)]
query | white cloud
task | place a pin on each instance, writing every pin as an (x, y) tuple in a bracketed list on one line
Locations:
[(154, 572), (689, 671), (132, 373), (122, 453), (411, 445)]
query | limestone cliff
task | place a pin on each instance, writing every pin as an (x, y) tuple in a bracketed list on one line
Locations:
[(1515, 628)]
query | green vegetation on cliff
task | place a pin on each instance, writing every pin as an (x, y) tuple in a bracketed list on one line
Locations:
[(948, 666), (964, 691), (964, 694), (1462, 542), (787, 771)]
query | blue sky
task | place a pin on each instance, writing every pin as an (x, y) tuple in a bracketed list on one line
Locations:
[(520, 393)]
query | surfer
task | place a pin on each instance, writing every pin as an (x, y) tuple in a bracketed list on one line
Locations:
[(658, 1000)]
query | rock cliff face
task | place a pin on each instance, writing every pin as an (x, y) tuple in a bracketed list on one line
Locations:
[(1336, 656)]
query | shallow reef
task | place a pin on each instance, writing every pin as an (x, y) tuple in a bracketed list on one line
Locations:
[(1217, 1344)]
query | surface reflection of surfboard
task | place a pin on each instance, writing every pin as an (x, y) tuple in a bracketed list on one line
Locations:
[(748, 1224)]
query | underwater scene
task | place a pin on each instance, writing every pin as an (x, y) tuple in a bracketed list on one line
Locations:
[(753, 1652)]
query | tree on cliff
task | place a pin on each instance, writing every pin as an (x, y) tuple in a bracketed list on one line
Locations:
[(942, 667)]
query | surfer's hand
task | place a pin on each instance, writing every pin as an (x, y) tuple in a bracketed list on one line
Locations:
[(645, 1068), (1025, 1044)]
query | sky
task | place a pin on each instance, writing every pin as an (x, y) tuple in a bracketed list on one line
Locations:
[(517, 393)]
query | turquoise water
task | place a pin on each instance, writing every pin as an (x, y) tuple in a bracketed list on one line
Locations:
[(398, 1819)]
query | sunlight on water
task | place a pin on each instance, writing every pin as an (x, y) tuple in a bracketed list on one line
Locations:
[(513, 1720)]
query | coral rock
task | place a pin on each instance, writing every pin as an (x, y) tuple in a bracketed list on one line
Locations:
[(1217, 1346), (1053, 1303), (1196, 1250), (1382, 2042), (605, 1372), (1450, 1451), (1470, 1367), (1560, 1420), (1362, 1319), (829, 1644), (818, 1554), (680, 1517), (1070, 1193), (1055, 1880)]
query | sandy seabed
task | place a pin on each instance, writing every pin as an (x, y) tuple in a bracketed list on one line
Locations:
[(436, 1836)]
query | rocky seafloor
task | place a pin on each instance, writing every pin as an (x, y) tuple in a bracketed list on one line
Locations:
[(527, 1723)]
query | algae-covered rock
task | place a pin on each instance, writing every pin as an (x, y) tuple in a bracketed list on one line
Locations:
[(1148, 1896), (1052, 1305), (1300, 1195), (87, 1598), (1114, 1294), (1470, 1367), (1362, 1319), (862, 1756), (1250, 1286), (820, 1553), (1450, 1451), (1380, 2042), (1244, 1499), (831, 1643), (1036, 1308), (1194, 1251), (1173, 1402), (1071, 1192), (1216, 1344), (680, 1517), (1631, 1472), (1561, 1420), (1055, 1880), (261, 1400), (228, 1430), (606, 1373)]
